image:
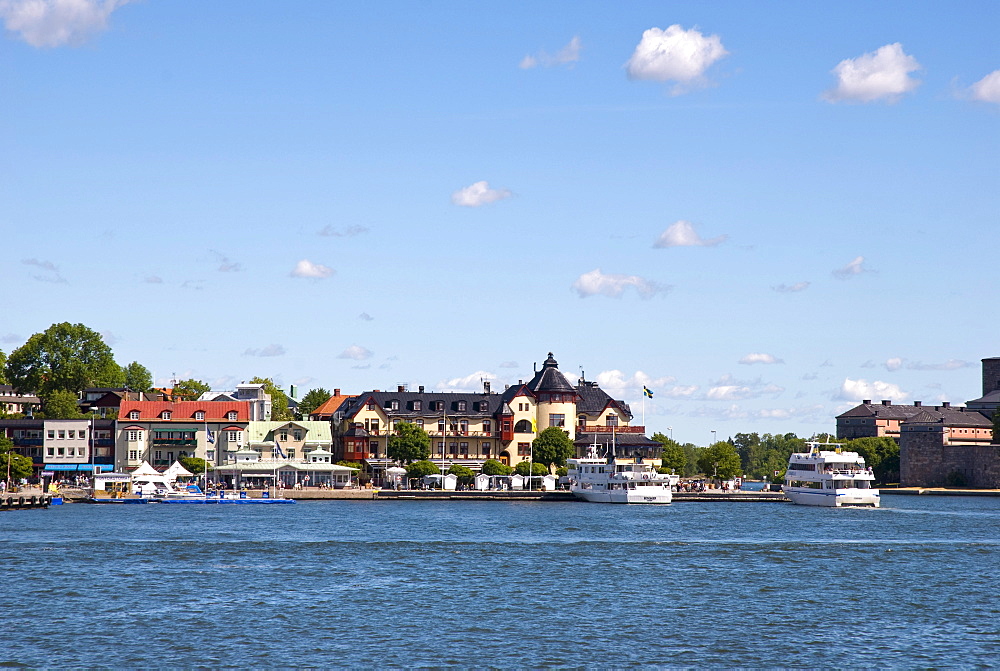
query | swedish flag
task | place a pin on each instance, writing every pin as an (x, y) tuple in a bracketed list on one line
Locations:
[(647, 392)]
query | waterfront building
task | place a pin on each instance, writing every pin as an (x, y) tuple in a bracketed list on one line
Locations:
[(875, 420), (160, 432), (13, 402), (468, 428), (62, 446)]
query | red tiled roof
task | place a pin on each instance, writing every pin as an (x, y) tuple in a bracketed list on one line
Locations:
[(331, 405), (183, 411)]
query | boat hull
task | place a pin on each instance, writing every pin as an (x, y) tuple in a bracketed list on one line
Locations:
[(649, 495), (832, 498)]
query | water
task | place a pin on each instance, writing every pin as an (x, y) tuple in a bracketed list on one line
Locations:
[(483, 584)]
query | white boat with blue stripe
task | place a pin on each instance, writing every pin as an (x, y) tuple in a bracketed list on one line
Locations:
[(827, 475)]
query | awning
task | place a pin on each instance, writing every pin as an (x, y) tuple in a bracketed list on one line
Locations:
[(89, 468)]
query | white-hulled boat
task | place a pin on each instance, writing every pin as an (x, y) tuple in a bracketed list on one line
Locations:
[(828, 476), (611, 480)]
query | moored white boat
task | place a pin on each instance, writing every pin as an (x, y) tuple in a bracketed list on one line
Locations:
[(611, 480), (829, 477)]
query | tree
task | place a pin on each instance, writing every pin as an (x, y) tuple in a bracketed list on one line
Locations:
[(20, 466), (464, 474), (672, 456), (194, 464), (61, 405), (279, 400), (312, 400), (882, 454), (138, 377), (419, 469), (536, 468), (3, 364), (720, 460), (64, 357), (408, 443), (190, 390), (552, 446), (494, 467)]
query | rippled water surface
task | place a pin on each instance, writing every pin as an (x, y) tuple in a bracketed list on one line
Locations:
[(416, 583)]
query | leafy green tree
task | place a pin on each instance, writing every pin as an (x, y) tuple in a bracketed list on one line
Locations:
[(882, 454), (3, 364), (720, 460), (494, 467), (279, 400), (312, 400), (464, 474), (408, 443), (536, 468), (20, 465), (64, 357), (61, 405), (190, 390), (673, 456), (562, 471), (691, 454), (138, 377), (350, 464), (552, 446), (194, 464), (419, 469)]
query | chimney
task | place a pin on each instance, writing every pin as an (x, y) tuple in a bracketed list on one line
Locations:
[(885, 402), (336, 392), (486, 387), (945, 404), (401, 388), (421, 388), (867, 401), (916, 404)]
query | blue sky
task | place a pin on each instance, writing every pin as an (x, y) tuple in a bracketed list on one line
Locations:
[(765, 212)]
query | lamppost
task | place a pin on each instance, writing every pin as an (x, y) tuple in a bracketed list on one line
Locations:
[(713, 436), (671, 430)]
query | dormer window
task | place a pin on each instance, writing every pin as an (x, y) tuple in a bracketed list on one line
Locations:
[(200, 415), (134, 414), (418, 405), (461, 406), (393, 405), (231, 415), (165, 414)]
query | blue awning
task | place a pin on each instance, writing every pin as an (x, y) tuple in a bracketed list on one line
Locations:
[(89, 468)]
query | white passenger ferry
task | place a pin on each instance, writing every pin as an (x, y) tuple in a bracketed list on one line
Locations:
[(611, 480), (829, 477)]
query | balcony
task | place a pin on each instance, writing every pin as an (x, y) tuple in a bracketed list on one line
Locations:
[(596, 428), (172, 442), (26, 442)]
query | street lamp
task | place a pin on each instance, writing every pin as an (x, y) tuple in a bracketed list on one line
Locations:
[(671, 430), (713, 436)]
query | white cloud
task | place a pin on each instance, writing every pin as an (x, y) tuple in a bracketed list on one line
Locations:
[(226, 265), (614, 285), (950, 364), (880, 75), (791, 288), (682, 234), (858, 390), (53, 23), (855, 267), (478, 194), (895, 363), (364, 316), (306, 268), (759, 357), (470, 383), (620, 386), (109, 337), (675, 55), (44, 265), (987, 89), (567, 55), (349, 232), (728, 388), (356, 352), (270, 350)]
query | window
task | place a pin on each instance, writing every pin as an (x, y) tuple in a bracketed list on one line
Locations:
[(71, 434), (231, 415), (453, 448), (419, 423), (157, 454), (134, 436), (558, 420), (61, 451), (297, 434), (417, 405), (373, 446), (487, 426), (374, 428), (441, 446), (210, 455), (463, 449), (393, 405), (52, 434), (82, 435), (51, 451), (461, 406), (133, 455), (441, 426), (284, 434), (134, 414), (611, 420), (395, 424), (486, 447), (62, 434), (166, 414), (200, 415), (439, 405), (232, 436), (523, 449), (371, 405), (463, 426)]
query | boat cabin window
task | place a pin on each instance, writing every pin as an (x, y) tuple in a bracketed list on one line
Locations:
[(801, 467)]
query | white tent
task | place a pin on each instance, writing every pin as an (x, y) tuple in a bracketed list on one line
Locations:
[(177, 471), (144, 469)]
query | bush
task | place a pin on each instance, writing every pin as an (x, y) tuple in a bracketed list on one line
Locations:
[(494, 467)]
